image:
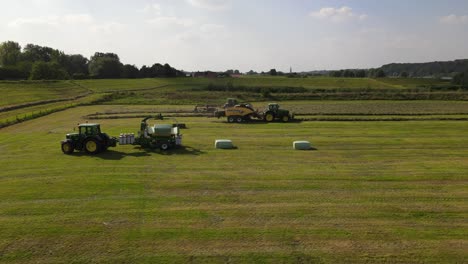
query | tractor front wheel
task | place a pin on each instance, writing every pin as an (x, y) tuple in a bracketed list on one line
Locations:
[(231, 119), (92, 146), (67, 148), (164, 146), (285, 118)]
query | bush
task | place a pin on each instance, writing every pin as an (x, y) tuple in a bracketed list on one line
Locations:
[(48, 71), (12, 73)]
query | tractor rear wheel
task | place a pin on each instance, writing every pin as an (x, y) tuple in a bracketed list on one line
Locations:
[(92, 146), (285, 118), (269, 117), (67, 148)]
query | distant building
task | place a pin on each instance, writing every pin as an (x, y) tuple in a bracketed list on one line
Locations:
[(236, 75)]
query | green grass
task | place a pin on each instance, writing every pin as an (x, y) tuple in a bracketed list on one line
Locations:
[(204, 90), (19, 92), (372, 192), (31, 112)]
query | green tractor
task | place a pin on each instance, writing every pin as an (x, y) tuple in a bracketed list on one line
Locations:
[(273, 112), (90, 139)]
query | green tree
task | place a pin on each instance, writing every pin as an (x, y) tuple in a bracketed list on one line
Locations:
[(145, 72), (348, 74), (33, 53), (360, 74), (10, 53), (48, 71), (76, 65), (273, 72), (461, 79), (380, 73), (105, 65), (130, 71)]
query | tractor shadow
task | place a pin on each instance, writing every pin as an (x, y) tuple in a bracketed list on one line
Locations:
[(141, 152), (112, 155), (261, 122), (182, 150)]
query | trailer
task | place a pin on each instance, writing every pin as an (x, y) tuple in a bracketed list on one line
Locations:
[(158, 136)]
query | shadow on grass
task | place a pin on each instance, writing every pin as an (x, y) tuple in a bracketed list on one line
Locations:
[(111, 155), (182, 150), (262, 122), (141, 152)]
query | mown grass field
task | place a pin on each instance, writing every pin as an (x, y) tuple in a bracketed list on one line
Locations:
[(23, 100), (169, 90), (377, 192)]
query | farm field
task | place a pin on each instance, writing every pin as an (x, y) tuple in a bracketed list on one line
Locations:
[(167, 90), (371, 191)]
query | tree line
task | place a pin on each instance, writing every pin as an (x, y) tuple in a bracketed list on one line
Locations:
[(427, 69), (44, 63)]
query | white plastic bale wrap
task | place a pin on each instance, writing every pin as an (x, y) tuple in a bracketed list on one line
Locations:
[(223, 144), (301, 145)]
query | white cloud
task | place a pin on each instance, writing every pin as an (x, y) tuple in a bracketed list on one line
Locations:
[(338, 14), (107, 28), (211, 28), (78, 19), (454, 20), (211, 4), (20, 22), (152, 8), (55, 21), (170, 22)]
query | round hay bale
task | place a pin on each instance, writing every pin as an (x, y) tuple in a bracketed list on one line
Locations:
[(302, 145), (223, 144)]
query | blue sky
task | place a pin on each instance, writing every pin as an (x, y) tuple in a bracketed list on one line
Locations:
[(245, 35)]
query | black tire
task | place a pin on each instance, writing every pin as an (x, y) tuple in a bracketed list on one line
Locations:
[(164, 146), (239, 119), (67, 148), (92, 146), (285, 118), (231, 119), (269, 117)]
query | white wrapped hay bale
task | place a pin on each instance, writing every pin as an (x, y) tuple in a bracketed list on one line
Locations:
[(301, 145), (223, 144)]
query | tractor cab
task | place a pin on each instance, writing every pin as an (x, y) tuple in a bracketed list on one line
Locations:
[(230, 102), (273, 107), (89, 129)]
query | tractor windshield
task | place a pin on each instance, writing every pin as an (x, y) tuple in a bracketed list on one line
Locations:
[(273, 107), (89, 130)]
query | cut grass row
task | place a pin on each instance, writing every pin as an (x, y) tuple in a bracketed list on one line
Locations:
[(12, 117)]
